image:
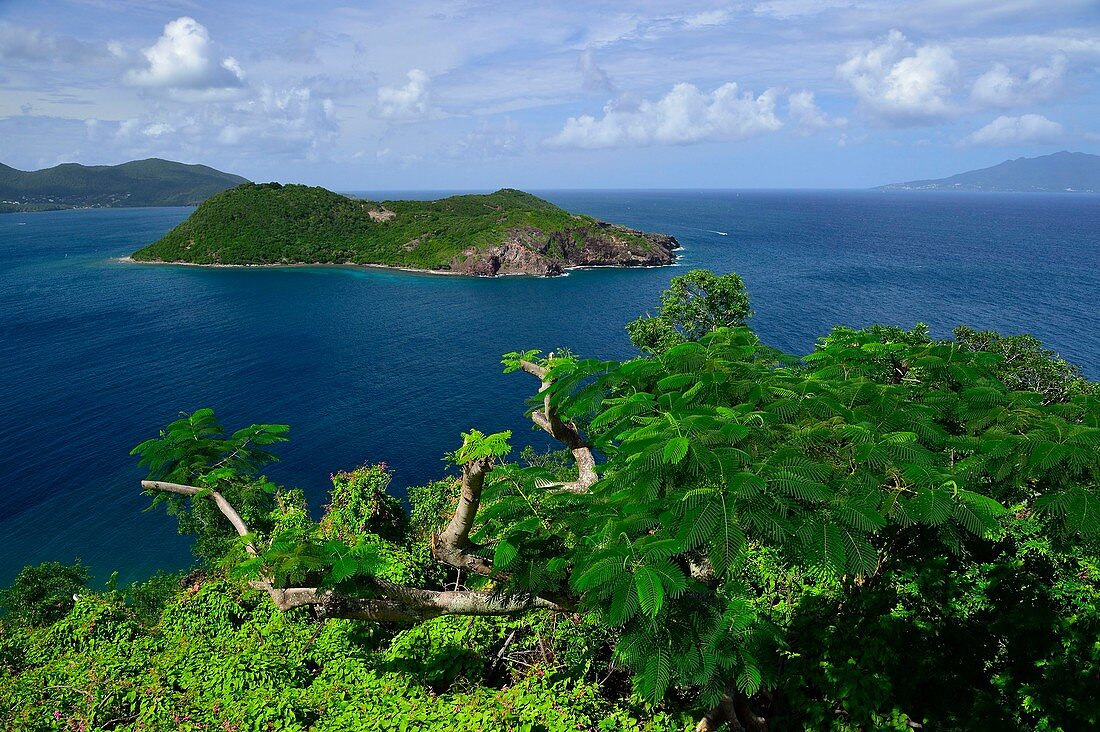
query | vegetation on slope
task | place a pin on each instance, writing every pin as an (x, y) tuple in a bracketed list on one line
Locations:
[(151, 182), (891, 532), (275, 224), (202, 651), (6, 207)]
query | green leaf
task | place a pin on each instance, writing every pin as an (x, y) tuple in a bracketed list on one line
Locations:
[(749, 680), (1046, 455), (504, 555), (745, 484), (655, 678), (343, 568), (726, 544), (675, 449), (933, 505), (651, 593), (861, 558)]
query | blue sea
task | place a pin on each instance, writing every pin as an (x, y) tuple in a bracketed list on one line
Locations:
[(370, 365)]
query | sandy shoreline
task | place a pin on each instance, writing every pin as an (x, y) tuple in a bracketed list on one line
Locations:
[(389, 267), (349, 265)]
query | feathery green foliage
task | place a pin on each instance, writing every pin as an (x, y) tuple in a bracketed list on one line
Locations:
[(195, 450)]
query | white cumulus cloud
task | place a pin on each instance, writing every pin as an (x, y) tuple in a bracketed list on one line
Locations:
[(1025, 129), (684, 115), (807, 116), (291, 119), (157, 129), (183, 60), (901, 83), (998, 87), (404, 102)]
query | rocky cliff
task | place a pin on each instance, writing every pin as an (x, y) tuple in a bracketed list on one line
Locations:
[(533, 251)]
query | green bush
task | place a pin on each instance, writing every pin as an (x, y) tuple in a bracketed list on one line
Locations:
[(43, 594), (359, 505), (149, 597)]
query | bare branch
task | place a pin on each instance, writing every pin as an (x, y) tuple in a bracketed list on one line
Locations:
[(564, 432), (406, 604), (734, 711), (223, 505), (397, 602), (453, 545), (457, 533), (722, 713)]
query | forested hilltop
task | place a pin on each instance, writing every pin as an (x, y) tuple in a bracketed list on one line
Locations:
[(507, 232), (152, 182), (892, 532)]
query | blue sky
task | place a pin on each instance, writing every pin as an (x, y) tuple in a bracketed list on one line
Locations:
[(433, 94)]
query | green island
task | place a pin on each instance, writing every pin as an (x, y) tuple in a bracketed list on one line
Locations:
[(892, 532), (507, 232), (151, 182)]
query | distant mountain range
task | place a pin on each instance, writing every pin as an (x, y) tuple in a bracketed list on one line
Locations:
[(1062, 171), (152, 182)]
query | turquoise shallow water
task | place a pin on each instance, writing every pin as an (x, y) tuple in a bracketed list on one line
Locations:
[(96, 355)]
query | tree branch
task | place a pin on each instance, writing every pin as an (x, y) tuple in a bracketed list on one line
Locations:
[(732, 710), (722, 712), (564, 432), (397, 602), (453, 546), (223, 505)]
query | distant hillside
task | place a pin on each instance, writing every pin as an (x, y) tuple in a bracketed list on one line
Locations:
[(507, 232), (151, 182), (1062, 171)]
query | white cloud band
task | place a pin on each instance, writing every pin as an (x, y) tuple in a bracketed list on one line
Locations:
[(684, 115)]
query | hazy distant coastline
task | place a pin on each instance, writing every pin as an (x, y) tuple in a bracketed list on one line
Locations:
[(1061, 172)]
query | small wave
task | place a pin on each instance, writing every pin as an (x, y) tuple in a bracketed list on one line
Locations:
[(709, 231)]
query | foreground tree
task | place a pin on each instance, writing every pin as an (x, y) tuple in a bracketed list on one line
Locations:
[(694, 304), (739, 506)]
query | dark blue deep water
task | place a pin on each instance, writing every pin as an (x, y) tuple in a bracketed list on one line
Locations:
[(366, 365)]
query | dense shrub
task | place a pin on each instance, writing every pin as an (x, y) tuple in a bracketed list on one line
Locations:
[(43, 594), (219, 657)]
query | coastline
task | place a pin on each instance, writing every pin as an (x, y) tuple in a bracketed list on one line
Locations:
[(396, 268), (346, 265)]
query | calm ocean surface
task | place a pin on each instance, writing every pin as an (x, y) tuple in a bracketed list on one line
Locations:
[(368, 365)]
